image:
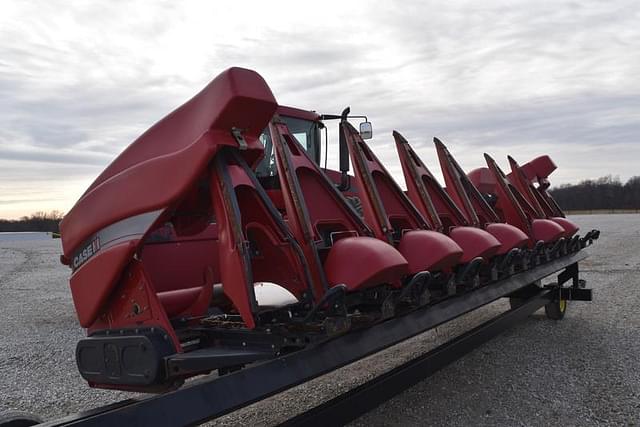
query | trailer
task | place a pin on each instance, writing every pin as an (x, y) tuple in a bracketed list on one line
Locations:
[(168, 249), (209, 398)]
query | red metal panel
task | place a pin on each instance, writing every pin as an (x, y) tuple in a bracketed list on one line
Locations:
[(254, 243), (483, 180), (298, 113), (517, 211), (384, 205), (388, 210), (233, 254), (154, 174), (538, 170), (461, 187), (509, 236), (360, 262), (569, 227), (462, 190), (519, 180), (546, 230), (507, 205), (149, 186), (134, 303), (545, 207), (474, 243), (424, 190), (429, 250), (157, 168), (317, 212), (434, 203), (95, 280)]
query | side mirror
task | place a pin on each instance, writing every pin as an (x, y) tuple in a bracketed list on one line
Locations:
[(366, 131)]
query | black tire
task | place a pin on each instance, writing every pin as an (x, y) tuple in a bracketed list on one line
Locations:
[(19, 419), (556, 309)]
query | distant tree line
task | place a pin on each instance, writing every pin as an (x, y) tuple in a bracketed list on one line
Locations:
[(603, 193), (39, 221)]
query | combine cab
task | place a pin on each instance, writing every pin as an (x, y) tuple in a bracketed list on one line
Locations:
[(216, 240)]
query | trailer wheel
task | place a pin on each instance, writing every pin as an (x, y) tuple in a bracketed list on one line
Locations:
[(556, 309), (18, 419)]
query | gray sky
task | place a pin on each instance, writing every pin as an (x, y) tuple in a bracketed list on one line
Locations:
[(80, 80)]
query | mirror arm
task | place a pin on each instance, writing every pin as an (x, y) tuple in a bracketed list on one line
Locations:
[(344, 156), (326, 146)]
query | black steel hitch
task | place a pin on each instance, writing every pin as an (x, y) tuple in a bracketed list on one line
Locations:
[(331, 310), (468, 274), (508, 260), (417, 290), (332, 303), (574, 244), (556, 249), (589, 238)]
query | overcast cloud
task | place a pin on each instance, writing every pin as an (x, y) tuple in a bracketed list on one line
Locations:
[(80, 80)]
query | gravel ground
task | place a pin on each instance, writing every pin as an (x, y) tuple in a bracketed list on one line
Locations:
[(38, 334), (583, 370)]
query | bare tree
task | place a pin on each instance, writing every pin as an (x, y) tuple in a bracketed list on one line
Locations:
[(38, 221), (606, 192)]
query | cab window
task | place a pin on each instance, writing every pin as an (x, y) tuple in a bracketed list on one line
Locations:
[(305, 131)]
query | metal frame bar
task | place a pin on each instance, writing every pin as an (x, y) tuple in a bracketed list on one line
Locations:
[(356, 402), (211, 397), (570, 273)]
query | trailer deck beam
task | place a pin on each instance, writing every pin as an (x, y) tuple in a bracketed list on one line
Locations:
[(211, 396), (348, 406)]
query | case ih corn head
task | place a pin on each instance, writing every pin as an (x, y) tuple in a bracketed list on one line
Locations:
[(171, 246)]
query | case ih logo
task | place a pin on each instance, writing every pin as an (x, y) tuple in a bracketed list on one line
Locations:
[(86, 253)]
